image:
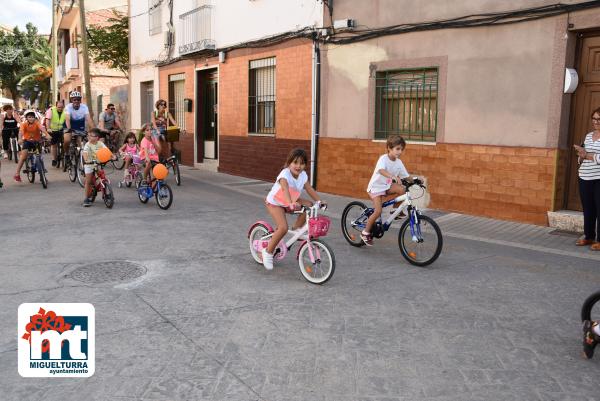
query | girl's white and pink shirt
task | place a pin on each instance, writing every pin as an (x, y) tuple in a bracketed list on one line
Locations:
[(295, 184)]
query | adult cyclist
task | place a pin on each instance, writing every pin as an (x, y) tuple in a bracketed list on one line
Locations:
[(108, 121), (9, 124), (55, 123), (77, 118)]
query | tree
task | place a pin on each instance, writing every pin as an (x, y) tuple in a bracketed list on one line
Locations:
[(109, 43), (12, 71), (39, 71)]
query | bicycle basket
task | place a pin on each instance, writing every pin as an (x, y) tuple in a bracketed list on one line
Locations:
[(318, 226)]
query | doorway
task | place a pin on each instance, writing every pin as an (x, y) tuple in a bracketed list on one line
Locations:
[(586, 99), (146, 101), (207, 96)]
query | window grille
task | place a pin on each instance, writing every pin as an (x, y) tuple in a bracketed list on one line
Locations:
[(406, 104), (261, 97), (155, 16)]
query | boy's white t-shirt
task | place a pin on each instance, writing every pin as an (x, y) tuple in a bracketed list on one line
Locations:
[(293, 183), (380, 183)]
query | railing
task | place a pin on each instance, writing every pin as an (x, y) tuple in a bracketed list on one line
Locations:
[(196, 30), (71, 59)]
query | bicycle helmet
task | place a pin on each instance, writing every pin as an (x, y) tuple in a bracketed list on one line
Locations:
[(28, 112), (75, 94)]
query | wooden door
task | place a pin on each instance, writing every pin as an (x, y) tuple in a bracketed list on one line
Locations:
[(586, 99)]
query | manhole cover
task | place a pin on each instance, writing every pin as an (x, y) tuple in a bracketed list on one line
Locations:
[(106, 272)]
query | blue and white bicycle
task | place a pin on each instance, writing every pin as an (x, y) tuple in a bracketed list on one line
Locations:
[(420, 238)]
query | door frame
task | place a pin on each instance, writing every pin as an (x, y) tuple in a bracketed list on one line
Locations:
[(198, 96), (581, 35)]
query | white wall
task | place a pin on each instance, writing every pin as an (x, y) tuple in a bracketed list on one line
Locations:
[(237, 21)]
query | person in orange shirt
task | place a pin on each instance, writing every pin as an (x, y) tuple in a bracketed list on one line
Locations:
[(30, 134)]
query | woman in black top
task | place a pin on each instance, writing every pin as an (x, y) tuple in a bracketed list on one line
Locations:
[(9, 123)]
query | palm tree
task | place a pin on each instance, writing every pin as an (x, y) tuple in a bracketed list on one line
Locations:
[(40, 70)]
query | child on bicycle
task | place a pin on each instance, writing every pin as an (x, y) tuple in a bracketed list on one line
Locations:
[(30, 135), (285, 197), (129, 150), (89, 157), (591, 337), (150, 148), (388, 172)]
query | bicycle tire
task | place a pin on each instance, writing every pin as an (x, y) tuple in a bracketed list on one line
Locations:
[(108, 196), (307, 270), (118, 164), (15, 150), (353, 238), (259, 231), (176, 172), (142, 196), (80, 171), (588, 305), (164, 188), (30, 172), (410, 256), (72, 171), (42, 173)]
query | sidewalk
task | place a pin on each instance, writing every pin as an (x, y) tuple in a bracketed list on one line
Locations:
[(454, 225)]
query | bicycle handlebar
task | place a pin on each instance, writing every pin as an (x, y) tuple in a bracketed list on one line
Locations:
[(415, 181)]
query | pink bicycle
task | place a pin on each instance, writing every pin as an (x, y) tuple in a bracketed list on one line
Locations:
[(315, 257), (134, 171)]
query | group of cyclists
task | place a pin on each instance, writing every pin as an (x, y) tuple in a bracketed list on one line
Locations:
[(62, 124)]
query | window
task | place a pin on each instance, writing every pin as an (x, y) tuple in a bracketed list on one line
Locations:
[(406, 104), (155, 15), (176, 92), (261, 97)]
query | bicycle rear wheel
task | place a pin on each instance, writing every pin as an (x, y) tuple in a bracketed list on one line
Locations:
[(354, 220), (425, 246), (316, 261), (176, 172), (591, 307)]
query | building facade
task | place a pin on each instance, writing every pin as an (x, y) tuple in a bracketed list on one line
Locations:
[(483, 107), (70, 62), (253, 98)]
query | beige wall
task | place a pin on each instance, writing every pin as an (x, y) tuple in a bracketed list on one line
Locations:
[(378, 13), (497, 84)]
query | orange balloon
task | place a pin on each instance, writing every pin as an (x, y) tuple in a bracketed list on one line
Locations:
[(160, 171), (103, 155)]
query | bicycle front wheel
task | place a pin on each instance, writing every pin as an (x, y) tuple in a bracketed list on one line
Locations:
[(316, 261), (80, 172), (354, 221), (164, 197), (30, 172), (176, 172), (72, 167), (423, 246), (591, 307), (41, 171), (108, 196), (119, 163)]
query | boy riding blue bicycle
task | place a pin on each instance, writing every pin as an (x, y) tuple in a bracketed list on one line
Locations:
[(388, 172)]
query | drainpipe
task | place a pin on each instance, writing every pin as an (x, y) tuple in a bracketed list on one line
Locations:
[(316, 111)]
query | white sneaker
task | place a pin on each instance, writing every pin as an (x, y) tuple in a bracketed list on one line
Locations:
[(267, 259)]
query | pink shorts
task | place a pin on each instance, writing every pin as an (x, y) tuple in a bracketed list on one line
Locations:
[(373, 195)]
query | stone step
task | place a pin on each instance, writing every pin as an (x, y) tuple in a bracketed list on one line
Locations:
[(567, 220)]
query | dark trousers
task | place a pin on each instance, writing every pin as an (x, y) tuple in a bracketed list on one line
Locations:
[(589, 190)]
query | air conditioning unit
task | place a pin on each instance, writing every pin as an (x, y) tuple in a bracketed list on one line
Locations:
[(168, 39), (344, 23)]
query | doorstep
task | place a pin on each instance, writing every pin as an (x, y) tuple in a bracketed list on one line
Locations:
[(208, 165), (567, 220)]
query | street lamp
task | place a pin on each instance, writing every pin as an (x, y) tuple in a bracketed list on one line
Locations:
[(19, 87), (36, 88)]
